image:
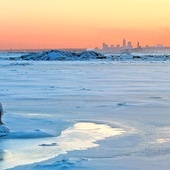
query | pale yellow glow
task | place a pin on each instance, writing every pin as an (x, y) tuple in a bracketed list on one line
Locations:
[(82, 23), (81, 136)]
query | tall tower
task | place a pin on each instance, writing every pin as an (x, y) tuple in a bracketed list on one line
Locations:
[(124, 43), (105, 46)]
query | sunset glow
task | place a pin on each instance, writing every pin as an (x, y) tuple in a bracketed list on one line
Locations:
[(82, 23)]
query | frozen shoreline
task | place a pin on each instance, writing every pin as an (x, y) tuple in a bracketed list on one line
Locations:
[(38, 146), (51, 97)]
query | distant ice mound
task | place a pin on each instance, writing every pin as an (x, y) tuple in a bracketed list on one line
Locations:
[(62, 55), (139, 57)]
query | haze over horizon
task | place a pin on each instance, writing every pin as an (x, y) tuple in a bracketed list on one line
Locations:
[(31, 24)]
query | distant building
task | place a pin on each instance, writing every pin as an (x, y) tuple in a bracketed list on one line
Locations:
[(105, 46), (159, 45), (129, 45), (124, 43), (112, 46)]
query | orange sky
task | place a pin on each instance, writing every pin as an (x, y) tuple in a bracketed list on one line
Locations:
[(82, 23)]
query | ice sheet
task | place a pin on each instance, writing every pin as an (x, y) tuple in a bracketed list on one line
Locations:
[(52, 96)]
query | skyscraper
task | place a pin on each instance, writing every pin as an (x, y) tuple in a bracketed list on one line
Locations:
[(129, 45), (105, 46), (124, 43)]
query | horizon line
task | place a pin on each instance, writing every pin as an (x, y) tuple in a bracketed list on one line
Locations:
[(41, 49)]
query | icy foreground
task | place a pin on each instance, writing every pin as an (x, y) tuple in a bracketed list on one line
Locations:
[(85, 115)]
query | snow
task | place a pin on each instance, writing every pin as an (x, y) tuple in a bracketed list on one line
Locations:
[(95, 114)]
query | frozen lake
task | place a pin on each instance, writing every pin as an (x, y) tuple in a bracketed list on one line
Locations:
[(85, 114)]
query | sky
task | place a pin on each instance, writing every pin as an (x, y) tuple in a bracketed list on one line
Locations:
[(36, 24)]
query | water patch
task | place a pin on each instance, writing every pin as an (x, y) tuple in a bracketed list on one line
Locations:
[(161, 141), (81, 136), (163, 135), (84, 135)]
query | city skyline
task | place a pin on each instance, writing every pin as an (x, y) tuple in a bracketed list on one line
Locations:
[(31, 24), (128, 46)]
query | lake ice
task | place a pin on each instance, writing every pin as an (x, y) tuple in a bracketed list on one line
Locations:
[(95, 114)]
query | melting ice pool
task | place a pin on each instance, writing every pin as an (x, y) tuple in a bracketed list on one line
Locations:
[(81, 136)]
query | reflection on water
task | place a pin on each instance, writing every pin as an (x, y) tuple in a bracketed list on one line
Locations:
[(84, 135), (81, 136), (163, 135), (161, 141)]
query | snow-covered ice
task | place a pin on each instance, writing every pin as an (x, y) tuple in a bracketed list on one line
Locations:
[(4, 130), (95, 114), (58, 55)]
